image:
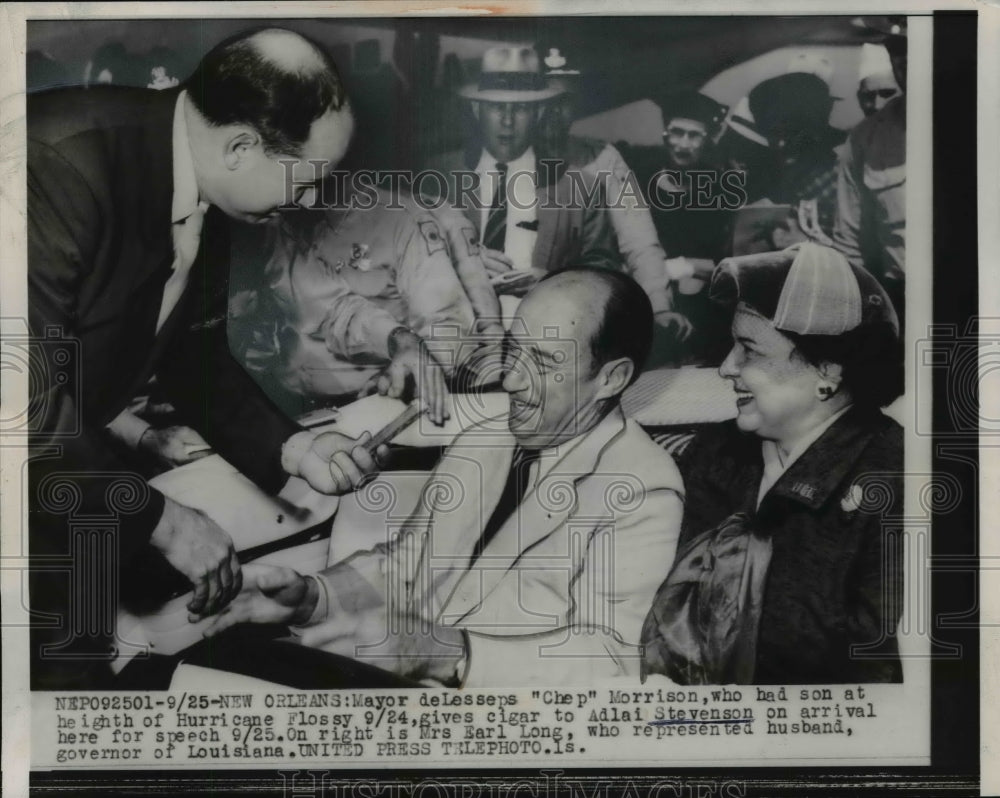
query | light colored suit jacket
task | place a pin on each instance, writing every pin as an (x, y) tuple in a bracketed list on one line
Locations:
[(573, 222), (560, 593)]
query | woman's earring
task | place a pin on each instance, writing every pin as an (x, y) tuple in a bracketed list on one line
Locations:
[(825, 392)]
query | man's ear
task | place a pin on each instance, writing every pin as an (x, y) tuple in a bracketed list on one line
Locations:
[(475, 109), (614, 377), (239, 148)]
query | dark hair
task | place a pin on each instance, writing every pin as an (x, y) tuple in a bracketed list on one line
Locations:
[(236, 83), (626, 326), (871, 357)]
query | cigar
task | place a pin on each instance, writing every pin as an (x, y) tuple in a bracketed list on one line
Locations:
[(396, 426)]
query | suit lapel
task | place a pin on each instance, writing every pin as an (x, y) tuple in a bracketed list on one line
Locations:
[(454, 533), (545, 509), (157, 176), (204, 303), (548, 221), (552, 216)]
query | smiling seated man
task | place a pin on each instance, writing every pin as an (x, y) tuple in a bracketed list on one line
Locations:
[(544, 571)]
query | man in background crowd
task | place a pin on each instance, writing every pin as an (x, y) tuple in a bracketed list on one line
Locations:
[(632, 223), (531, 216), (871, 181), (876, 81), (691, 206), (792, 111)]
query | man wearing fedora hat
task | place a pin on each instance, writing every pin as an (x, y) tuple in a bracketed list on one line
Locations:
[(531, 214)]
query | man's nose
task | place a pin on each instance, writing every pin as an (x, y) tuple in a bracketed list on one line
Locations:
[(506, 116), (515, 378), (510, 383)]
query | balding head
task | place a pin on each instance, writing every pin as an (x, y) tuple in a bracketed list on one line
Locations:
[(622, 317), (273, 80), (288, 51), (267, 121)]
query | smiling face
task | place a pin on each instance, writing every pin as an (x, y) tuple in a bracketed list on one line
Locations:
[(252, 186), (507, 128), (548, 365), (776, 389)]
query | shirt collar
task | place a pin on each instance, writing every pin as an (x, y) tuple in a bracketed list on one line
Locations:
[(525, 162), (185, 200), (583, 450)]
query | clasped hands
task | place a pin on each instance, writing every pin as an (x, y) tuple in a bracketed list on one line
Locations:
[(404, 644), (204, 552)]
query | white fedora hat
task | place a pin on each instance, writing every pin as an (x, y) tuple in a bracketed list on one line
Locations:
[(510, 74)]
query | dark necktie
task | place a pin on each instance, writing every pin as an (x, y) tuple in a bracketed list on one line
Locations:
[(511, 496), (496, 222)]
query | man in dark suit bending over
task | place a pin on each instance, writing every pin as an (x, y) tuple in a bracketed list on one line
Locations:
[(128, 268)]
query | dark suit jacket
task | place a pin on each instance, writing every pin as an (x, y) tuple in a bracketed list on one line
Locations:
[(835, 578), (683, 231), (100, 188)]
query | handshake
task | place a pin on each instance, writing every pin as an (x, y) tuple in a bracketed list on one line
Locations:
[(204, 553)]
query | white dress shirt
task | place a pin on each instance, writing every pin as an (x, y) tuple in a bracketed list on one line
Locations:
[(186, 214), (522, 200)]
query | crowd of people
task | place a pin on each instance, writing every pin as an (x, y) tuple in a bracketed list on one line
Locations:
[(251, 277)]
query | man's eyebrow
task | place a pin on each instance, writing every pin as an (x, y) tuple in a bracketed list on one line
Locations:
[(542, 354)]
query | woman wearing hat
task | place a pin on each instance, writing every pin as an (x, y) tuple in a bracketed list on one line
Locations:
[(788, 570)]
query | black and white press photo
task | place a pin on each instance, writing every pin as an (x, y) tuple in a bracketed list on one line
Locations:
[(570, 396)]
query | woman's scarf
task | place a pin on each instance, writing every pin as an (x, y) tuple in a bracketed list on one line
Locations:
[(702, 627)]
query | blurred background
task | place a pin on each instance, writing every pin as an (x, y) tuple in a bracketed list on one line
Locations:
[(402, 74)]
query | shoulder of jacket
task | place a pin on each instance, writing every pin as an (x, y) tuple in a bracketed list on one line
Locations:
[(635, 453), (885, 448)]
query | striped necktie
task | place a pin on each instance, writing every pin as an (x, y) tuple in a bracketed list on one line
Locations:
[(495, 232)]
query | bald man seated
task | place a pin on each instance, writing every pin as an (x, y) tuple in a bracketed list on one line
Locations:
[(568, 521)]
